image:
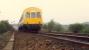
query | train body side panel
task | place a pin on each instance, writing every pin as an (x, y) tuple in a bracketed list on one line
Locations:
[(32, 21)]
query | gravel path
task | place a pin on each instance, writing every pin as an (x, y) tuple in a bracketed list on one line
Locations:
[(9, 46)]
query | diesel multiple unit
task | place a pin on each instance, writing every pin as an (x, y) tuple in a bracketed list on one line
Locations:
[(31, 20)]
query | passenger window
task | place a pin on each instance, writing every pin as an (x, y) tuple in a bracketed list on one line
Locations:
[(33, 15), (38, 14)]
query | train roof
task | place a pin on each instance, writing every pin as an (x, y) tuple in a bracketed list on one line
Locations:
[(32, 9)]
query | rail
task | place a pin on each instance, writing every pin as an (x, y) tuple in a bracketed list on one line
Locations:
[(77, 38)]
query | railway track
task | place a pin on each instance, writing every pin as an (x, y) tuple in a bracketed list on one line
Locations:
[(45, 40), (77, 38)]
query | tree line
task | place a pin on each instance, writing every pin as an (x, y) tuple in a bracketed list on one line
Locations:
[(52, 26), (5, 26), (75, 28)]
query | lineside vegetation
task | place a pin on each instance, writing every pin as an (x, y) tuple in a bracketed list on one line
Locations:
[(5, 26), (75, 28)]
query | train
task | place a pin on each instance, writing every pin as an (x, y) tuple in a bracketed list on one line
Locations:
[(31, 20)]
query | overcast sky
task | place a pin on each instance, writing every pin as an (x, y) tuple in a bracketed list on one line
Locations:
[(62, 11)]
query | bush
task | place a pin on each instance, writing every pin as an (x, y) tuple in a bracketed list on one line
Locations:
[(76, 28), (58, 27), (50, 25), (53, 26), (86, 29), (5, 26)]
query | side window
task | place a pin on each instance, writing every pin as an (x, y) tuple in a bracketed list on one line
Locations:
[(33, 15), (27, 14), (38, 14)]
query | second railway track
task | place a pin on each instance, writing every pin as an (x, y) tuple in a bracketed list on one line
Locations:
[(77, 38)]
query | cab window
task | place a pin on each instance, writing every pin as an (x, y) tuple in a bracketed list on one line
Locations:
[(38, 14), (33, 14)]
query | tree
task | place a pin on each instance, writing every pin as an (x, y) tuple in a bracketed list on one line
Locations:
[(58, 27), (45, 26), (76, 28), (51, 25), (86, 28), (5, 26)]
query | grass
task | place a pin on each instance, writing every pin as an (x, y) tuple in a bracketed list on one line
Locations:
[(4, 39)]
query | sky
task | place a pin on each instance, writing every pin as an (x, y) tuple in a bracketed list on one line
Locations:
[(61, 11)]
